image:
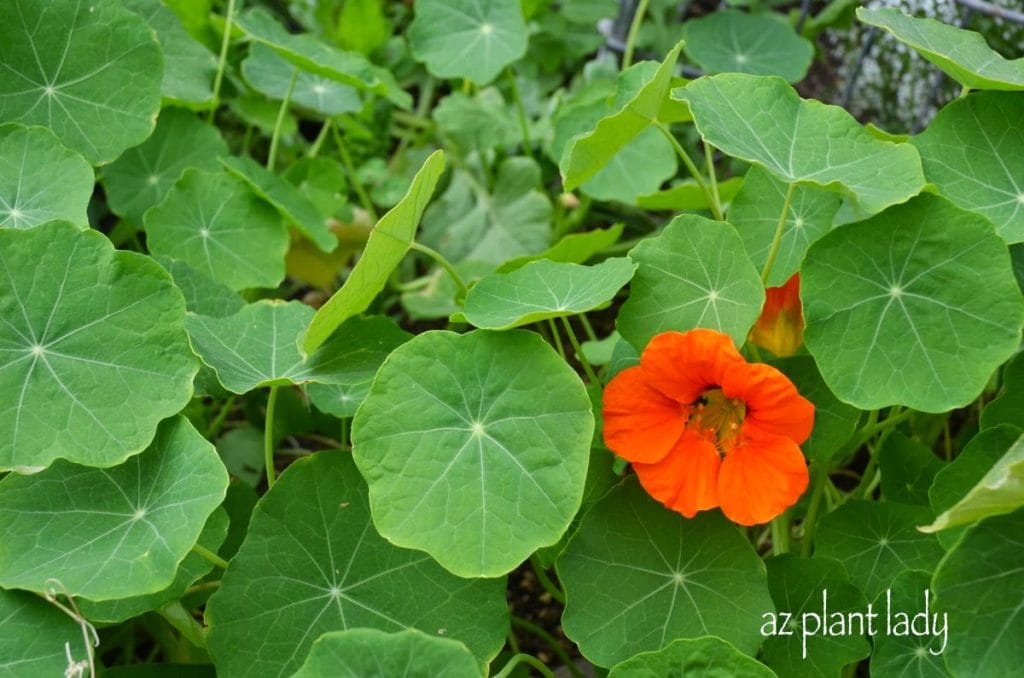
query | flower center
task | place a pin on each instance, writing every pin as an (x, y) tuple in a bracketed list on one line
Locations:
[(717, 418)]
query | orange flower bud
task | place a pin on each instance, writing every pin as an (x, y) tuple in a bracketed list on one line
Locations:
[(781, 325)]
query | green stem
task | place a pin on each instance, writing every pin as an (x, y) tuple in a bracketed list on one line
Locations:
[(524, 125), (314, 150), (279, 124), (518, 659), (353, 176), (229, 21), (445, 264), (634, 29), (819, 478), (343, 433), (545, 580), (579, 352), (780, 534), (557, 337), (709, 159), (550, 640), (773, 250), (268, 437), (218, 422), (181, 620), (210, 557), (692, 169), (587, 327)]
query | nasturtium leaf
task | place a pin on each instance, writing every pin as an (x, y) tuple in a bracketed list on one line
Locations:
[(114, 532), (34, 637), (899, 311), (389, 242), (93, 352), (241, 450), (471, 39), (312, 562), (322, 181), (203, 294), (435, 295), (30, 158), (482, 121), (362, 345), (638, 576), (475, 448), (468, 223), (587, 154), (1007, 408), (316, 57), (216, 224), (189, 571), (358, 653), (966, 471), (189, 67), (143, 175), (876, 541), (271, 74), (89, 70), (710, 657), (980, 586), (755, 213), (973, 151), (961, 54), (544, 289), (759, 44), (805, 588), (908, 469), (834, 420), (898, 655), (294, 207), (762, 120), (575, 248), (695, 273), (1000, 491), (687, 195)]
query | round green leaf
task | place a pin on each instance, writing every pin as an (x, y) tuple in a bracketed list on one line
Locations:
[(296, 208), (899, 656), (30, 158), (980, 586), (475, 123), (312, 562), (471, 39), (268, 72), (93, 352), (974, 152), (877, 541), (1007, 407), (575, 248), (834, 420), (638, 576), (709, 656), (35, 632), (88, 70), (755, 214), (899, 311), (694, 274), (762, 120), (760, 44), (908, 469), (116, 532), (358, 653), (215, 224), (475, 448), (203, 294), (962, 55), (801, 587), (143, 175), (544, 289)]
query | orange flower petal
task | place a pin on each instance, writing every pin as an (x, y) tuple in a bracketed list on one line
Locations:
[(682, 365), (773, 405), (686, 480), (781, 323), (640, 424), (760, 478)]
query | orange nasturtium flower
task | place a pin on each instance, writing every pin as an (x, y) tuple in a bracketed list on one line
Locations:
[(703, 428), (780, 327)]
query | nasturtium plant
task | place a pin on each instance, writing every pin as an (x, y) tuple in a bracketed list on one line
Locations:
[(498, 338)]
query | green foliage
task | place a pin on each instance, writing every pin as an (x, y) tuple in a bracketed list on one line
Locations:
[(760, 44)]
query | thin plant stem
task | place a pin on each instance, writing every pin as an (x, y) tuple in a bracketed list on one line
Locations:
[(182, 620), (422, 107), (524, 124), (218, 79), (218, 422), (587, 327), (550, 640), (344, 433), (634, 30), (780, 534), (579, 352), (773, 250), (353, 176), (314, 150), (692, 169), (558, 339), (819, 478), (545, 580), (512, 642), (268, 437), (210, 557), (709, 160), (275, 139), (520, 658), (445, 264)]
